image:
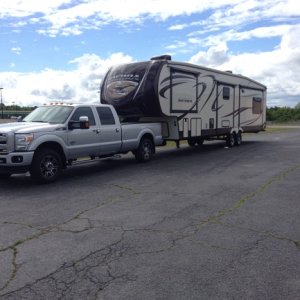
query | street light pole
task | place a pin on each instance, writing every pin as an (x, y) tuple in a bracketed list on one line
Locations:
[(1, 103)]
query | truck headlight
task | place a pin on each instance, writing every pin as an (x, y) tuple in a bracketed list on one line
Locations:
[(22, 141)]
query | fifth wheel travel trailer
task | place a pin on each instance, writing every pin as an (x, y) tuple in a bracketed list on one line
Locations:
[(194, 103)]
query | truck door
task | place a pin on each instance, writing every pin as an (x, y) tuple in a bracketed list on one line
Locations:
[(83, 142), (110, 131)]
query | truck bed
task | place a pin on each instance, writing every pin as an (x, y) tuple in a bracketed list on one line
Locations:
[(132, 132)]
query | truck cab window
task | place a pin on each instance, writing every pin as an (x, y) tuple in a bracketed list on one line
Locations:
[(106, 116), (84, 112)]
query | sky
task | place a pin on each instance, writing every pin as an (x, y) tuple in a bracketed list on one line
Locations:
[(60, 50)]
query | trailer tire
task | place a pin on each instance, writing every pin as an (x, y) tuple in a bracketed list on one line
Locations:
[(46, 166), (199, 141), (145, 150), (230, 140), (192, 142), (196, 141), (238, 139)]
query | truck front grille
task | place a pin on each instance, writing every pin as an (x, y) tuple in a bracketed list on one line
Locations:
[(3, 143)]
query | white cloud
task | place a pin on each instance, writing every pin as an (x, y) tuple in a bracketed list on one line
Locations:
[(79, 85), (66, 17), (16, 50), (233, 35), (215, 56), (178, 27), (244, 12), (25, 8), (176, 45), (277, 69), (69, 18)]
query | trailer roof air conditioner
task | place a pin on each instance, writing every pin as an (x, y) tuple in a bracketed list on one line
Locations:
[(162, 57)]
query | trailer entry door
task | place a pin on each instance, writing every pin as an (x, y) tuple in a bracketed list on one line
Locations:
[(225, 115)]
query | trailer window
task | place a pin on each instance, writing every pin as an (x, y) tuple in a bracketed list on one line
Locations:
[(226, 93), (257, 105), (106, 116)]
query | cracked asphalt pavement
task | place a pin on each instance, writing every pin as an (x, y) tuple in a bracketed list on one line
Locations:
[(194, 223)]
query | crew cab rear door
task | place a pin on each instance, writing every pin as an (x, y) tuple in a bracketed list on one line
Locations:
[(110, 134)]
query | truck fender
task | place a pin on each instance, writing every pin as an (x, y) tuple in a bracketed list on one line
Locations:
[(236, 130), (235, 137), (146, 132), (48, 138)]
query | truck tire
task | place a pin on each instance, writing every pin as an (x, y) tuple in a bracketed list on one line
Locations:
[(46, 166), (230, 140), (238, 139), (145, 150)]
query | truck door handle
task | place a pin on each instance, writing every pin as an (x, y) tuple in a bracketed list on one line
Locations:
[(96, 131), (117, 129)]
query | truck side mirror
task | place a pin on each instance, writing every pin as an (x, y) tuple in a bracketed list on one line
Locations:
[(83, 123)]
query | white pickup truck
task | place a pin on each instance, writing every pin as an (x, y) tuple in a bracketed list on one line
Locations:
[(52, 137)]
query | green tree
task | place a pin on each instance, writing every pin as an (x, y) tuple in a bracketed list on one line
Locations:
[(283, 114)]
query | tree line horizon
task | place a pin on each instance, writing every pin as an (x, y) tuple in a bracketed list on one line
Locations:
[(273, 114)]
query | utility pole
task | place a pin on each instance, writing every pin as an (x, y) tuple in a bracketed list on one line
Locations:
[(1, 103)]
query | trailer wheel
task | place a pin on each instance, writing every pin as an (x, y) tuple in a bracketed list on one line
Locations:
[(199, 141), (145, 150), (192, 142), (46, 166), (230, 140), (238, 139)]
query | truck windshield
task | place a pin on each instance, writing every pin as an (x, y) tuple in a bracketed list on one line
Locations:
[(50, 114)]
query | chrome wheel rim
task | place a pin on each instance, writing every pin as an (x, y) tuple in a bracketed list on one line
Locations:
[(49, 166), (146, 151)]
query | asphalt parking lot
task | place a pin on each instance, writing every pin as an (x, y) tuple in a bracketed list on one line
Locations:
[(207, 223)]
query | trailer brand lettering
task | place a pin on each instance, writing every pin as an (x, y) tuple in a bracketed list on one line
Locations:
[(185, 100), (133, 77)]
